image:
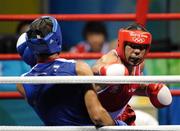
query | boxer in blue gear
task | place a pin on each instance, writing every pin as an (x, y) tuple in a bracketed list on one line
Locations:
[(58, 104)]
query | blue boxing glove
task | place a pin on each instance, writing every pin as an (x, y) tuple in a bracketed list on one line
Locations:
[(24, 51), (119, 123)]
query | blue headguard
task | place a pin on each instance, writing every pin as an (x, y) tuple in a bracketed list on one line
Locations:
[(48, 44)]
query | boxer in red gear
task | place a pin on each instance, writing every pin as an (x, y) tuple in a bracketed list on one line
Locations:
[(128, 59)]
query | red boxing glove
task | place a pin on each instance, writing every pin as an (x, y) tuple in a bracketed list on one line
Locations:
[(114, 70), (159, 95)]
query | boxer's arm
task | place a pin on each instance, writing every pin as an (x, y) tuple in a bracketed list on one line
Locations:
[(109, 65), (106, 59), (101, 62), (142, 67), (141, 91), (20, 89), (97, 113), (113, 70), (159, 94)]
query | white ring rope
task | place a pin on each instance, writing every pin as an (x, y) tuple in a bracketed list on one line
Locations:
[(90, 128), (91, 79)]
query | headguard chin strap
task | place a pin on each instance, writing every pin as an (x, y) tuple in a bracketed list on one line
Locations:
[(134, 37), (48, 44)]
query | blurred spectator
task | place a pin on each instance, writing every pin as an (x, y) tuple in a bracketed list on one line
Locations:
[(113, 44), (14, 68), (8, 45), (95, 39), (8, 42), (22, 27)]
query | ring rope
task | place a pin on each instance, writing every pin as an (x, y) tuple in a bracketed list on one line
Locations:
[(142, 9), (167, 55), (90, 79), (90, 128), (88, 17), (17, 95)]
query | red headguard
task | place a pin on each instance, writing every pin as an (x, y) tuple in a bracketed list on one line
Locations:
[(134, 37)]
